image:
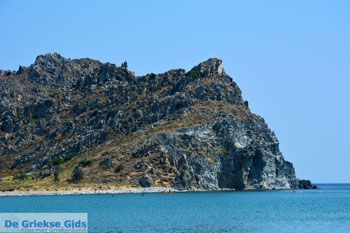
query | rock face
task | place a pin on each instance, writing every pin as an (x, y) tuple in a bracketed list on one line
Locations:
[(184, 130)]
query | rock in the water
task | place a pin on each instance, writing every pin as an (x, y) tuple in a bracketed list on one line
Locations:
[(306, 184)]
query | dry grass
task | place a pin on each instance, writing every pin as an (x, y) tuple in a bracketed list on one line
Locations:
[(120, 150)]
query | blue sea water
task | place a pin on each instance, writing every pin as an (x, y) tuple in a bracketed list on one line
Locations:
[(323, 210)]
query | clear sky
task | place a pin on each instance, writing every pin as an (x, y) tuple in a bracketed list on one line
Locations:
[(290, 58)]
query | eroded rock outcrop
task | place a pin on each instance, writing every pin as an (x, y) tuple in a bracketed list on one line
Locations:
[(185, 130)]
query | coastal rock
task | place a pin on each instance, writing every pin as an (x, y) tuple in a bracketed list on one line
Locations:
[(182, 130), (146, 181), (306, 184)]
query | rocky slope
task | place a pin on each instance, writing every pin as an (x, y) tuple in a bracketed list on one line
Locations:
[(185, 130)]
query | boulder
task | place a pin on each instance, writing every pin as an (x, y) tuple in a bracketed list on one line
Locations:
[(306, 184), (146, 181)]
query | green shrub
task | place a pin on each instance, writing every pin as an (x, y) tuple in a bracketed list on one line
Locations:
[(77, 174), (119, 168), (20, 176), (85, 163), (193, 74), (57, 161), (56, 173), (69, 156)]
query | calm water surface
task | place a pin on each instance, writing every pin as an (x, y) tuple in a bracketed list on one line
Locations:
[(324, 210)]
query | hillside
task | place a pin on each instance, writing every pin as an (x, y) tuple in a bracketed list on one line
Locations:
[(75, 123)]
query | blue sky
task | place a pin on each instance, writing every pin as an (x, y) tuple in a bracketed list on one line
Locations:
[(290, 58)]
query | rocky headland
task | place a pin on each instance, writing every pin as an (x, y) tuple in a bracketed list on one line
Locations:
[(78, 123)]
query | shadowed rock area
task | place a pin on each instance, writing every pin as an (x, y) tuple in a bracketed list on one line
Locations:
[(183, 130)]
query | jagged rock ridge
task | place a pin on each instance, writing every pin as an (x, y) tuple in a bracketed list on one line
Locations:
[(185, 130)]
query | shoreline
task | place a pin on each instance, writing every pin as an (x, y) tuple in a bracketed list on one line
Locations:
[(89, 192), (133, 190)]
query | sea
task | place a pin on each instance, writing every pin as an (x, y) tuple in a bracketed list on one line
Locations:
[(323, 210)]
